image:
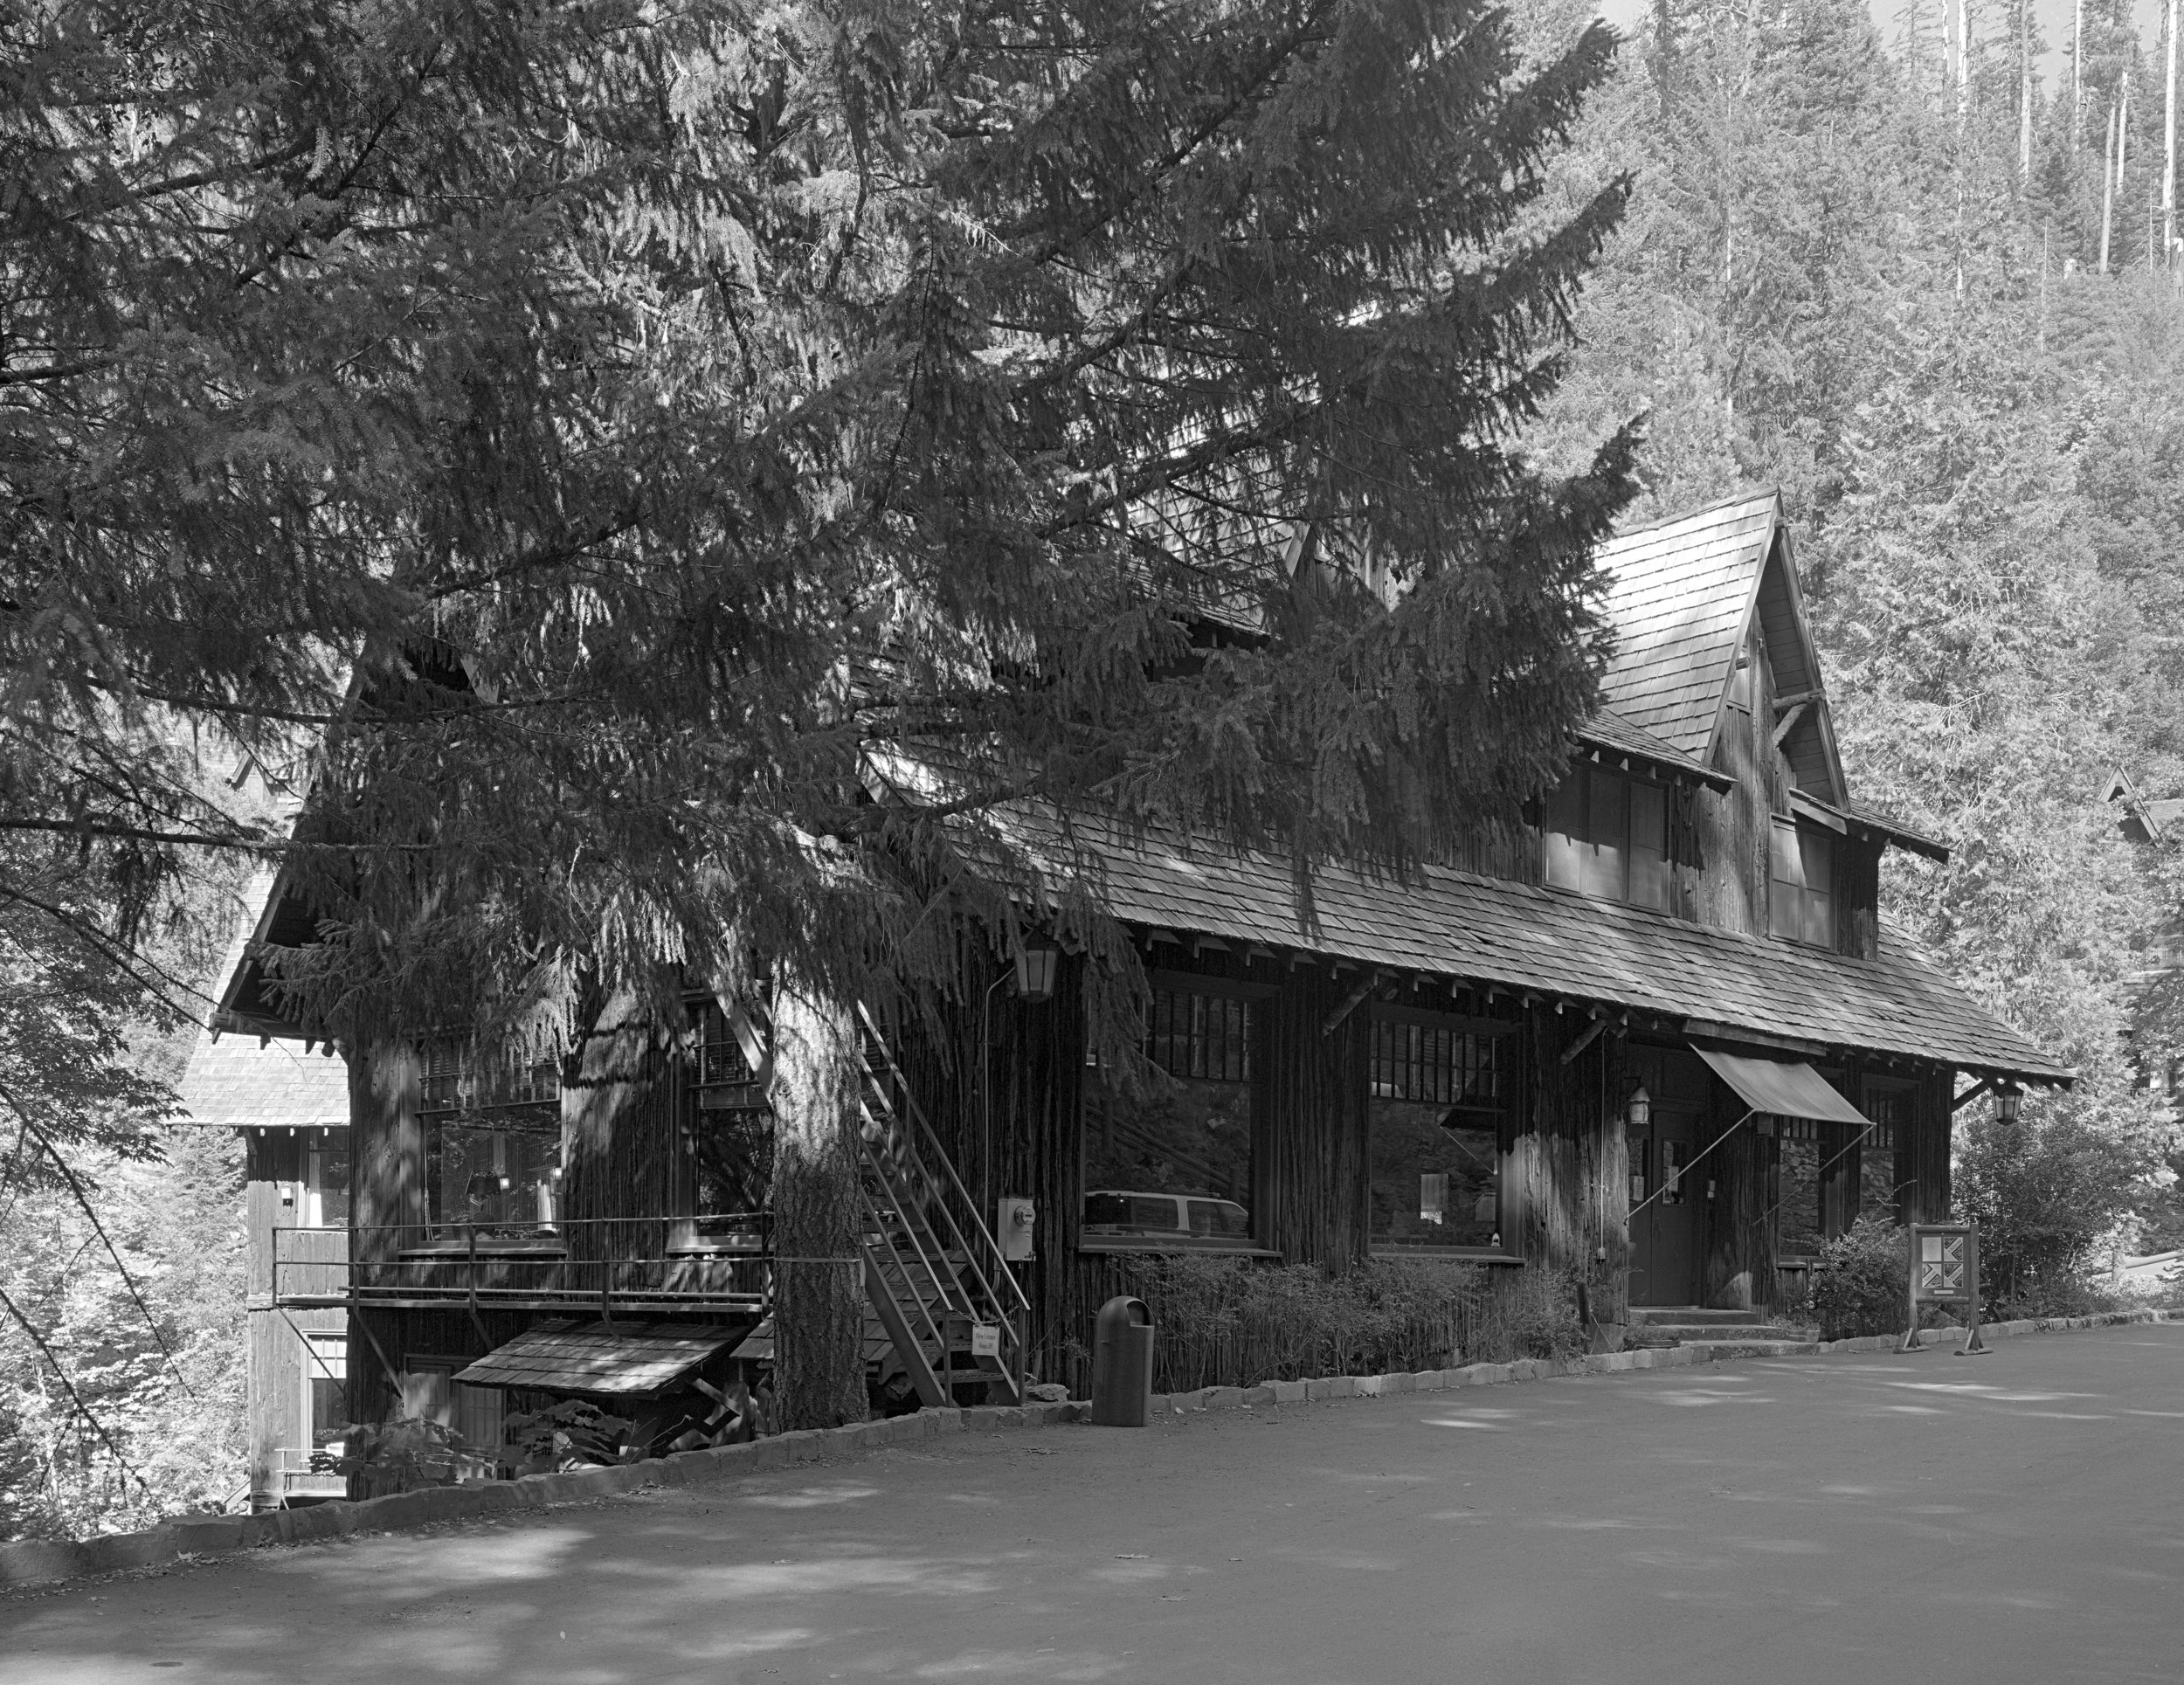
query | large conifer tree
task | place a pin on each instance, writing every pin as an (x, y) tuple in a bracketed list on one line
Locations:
[(599, 431)]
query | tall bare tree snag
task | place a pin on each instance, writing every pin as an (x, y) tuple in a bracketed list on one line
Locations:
[(2024, 91), (2168, 144), (818, 1314), (2077, 70)]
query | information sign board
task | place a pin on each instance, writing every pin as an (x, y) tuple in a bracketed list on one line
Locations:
[(1944, 1270)]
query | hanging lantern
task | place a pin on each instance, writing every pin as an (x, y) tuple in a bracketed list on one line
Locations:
[(2010, 1100), (1037, 964), (1638, 1112)]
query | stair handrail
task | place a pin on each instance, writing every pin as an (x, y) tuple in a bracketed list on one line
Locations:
[(944, 1284), (932, 1141)]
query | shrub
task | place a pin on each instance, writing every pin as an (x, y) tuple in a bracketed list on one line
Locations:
[(1860, 1286), (2049, 1195), (1227, 1322)]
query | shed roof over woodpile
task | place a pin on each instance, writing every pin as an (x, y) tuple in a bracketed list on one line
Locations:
[(1713, 982), (632, 1358), (1680, 597), (234, 1083)]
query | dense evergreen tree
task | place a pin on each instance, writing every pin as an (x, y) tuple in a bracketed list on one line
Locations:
[(597, 432)]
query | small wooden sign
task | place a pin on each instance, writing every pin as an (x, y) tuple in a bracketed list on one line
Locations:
[(985, 1339), (1944, 1270)]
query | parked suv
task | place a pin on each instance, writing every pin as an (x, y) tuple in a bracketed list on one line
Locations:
[(1110, 1211)]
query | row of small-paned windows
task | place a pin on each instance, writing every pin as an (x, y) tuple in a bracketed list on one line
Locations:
[(720, 1053), (1195, 1035), (456, 1079), (1881, 1136), (1607, 835), (1801, 900), (1439, 1066)]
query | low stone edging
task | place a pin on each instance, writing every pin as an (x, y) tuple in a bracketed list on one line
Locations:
[(37, 1562), (1614, 1363)]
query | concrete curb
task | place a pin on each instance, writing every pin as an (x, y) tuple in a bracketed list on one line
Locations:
[(42, 1562), (1617, 1363)]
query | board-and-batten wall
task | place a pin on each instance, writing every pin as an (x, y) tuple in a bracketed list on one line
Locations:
[(1565, 1166), (277, 1361)]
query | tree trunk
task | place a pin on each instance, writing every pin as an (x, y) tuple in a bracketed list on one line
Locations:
[(2024, 91), (819, 1304), (2108, 187), (2168, 148)]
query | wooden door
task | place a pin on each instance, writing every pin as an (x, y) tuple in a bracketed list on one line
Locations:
[(1664, 1248)]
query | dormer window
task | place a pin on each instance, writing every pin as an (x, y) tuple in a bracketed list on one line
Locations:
[(1607, 835), (1801, 892)]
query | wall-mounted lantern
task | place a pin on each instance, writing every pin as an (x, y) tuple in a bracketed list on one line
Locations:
[(2010, 1100), (1638, 1112), (1038, 964)]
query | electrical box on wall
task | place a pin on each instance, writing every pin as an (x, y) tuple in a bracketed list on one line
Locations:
[(1013, 1227)]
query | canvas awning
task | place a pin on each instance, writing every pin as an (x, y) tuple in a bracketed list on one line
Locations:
[(569, 1356), (1782, 1087)]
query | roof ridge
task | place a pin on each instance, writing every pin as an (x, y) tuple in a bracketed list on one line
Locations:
[(1770, 494)]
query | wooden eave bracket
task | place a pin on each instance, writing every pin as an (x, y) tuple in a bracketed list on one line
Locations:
[(1787, 723), (1971, 1094), (1587, 1037), (1350, 1002)]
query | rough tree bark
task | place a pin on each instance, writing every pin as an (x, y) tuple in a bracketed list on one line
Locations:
[(818, 1282)]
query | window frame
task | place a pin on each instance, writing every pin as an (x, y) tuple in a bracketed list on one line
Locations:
[(475, 1101), (1572, 859), (1813, 907), (1250, 1074), (1500, 1115)]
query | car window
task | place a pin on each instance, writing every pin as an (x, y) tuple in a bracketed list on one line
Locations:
[(1148, 1213), (1222, 1218), (1106, 1210)]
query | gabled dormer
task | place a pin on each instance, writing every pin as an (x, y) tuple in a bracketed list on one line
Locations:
[(1715, 661)]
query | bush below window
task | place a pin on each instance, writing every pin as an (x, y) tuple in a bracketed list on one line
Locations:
[(1226, 1322)]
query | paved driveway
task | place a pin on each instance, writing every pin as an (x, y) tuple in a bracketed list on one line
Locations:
[(2014, 1517)]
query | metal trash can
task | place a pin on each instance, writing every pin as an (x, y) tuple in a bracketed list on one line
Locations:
[(1122, 1363)]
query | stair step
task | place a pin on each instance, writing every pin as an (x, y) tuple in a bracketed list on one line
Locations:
[(1753, 1348), (1691, 1316), (1670, 1334)]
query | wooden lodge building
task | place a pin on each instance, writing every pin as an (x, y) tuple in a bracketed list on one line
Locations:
[(1671, 996)]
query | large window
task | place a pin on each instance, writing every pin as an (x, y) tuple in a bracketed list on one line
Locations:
[(731, 1123), (1607, 835), (1801, 895), (492, 1141), (1176, 1166), (1437, 1095), (1799, 1162)]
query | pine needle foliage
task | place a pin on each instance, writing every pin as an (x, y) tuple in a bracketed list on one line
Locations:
[(596, 432)]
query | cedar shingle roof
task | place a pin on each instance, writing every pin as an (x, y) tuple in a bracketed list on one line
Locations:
[(1558, 943), (234, 1083), (1608, 730), (1679, 597), (569, 1356)]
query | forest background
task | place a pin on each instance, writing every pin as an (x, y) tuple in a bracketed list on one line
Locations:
[(1844, 273)]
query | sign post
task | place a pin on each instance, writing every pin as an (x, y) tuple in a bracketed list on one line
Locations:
[(1944, 1270)]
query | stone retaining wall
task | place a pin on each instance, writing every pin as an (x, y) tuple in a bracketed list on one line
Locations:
[(32, 1562)]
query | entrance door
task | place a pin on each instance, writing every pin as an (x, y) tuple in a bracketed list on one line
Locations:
[(1664, 1236)]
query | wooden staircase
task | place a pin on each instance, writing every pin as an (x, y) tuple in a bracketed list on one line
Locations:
[(933, 1271), (935, 1278)]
